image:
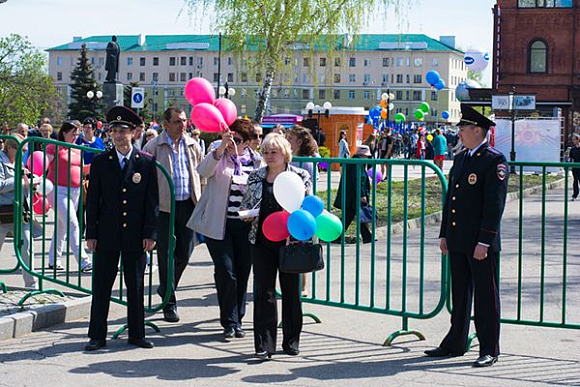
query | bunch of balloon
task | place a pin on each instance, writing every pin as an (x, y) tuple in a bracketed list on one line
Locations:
[(375, 116), (302, 216), (476, 59), (209, 114), (36, 164), (445, 115)]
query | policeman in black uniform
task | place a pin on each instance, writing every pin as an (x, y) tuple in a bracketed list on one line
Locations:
[(470, 237), (122, 209)]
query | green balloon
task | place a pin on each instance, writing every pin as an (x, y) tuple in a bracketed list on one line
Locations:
[(419, 114), (328, 227), (400, 117), (425, 107)]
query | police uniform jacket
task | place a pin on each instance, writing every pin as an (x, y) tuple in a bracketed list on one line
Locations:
[(475, 200), (122, 208)]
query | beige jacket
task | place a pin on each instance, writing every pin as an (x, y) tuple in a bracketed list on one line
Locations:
[(159, 148)]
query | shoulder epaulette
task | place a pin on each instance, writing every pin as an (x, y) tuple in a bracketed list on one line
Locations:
[(493, 150)]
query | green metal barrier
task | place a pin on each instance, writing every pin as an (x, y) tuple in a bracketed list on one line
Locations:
[(402, 273), (72, 277)]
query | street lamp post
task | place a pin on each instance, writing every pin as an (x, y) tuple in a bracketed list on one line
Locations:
[(226, 91), (310, 107), (91, 96), (512, 109)]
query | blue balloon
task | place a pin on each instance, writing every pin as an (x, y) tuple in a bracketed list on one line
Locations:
[(301, 225), (445, 114), (432, 77), (313, 204), (440, 84)]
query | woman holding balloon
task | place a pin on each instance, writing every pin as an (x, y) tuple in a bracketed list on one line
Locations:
[(217, 217), (65, 198), (267, 238)]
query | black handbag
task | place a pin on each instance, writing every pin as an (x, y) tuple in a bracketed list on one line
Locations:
[(299, 257), (367, 213), (6, 213)]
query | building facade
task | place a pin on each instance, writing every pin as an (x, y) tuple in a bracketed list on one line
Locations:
[(537, 51), (355, 76)]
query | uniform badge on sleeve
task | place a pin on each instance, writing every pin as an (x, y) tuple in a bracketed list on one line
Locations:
[(136, 178), (472, 179), (501, 171)]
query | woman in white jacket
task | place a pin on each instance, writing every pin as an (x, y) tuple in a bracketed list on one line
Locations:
[(216, 217)]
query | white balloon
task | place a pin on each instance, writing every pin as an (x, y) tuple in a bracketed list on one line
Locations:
[(45, 187), (289, 191), (476, 59)]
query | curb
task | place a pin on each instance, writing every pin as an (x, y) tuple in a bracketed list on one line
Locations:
[(20, 324)]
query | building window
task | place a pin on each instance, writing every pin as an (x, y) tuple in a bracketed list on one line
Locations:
[(230, 77), (306, 62), (171, 61), (351, 94), (417, 78), (155, 77), (129, 61), (244, 77), (141, 61), (385, 62), (538, 57), (199, 61), (322, 62), (366, 94), (399, 95), (141, 77), (408, 61), (336, 94), (321, 94), (418, 62), (216, 77), (435, 62), (190, 75), (215, 60), (408, 95), (191, 61), (229, 60), (408, 78), (399, 78), (433, 96), (352, 62), (59, 61), (155, 61), (171, 77), (417, 95), (59, 76), (183, 61), (337, 62), (305, 94), (367, 62), (399, 62), (336, 78), (352, 78), (129, 76), (182, 77), (366, 79)]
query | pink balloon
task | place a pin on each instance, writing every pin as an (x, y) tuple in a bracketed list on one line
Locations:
[(39, 204), (199, 90), (208, 118), (227, 108), (38, 163)]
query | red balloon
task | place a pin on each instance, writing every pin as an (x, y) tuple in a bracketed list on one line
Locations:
[(275, 226), (99, 124), (228, 109), (198, 90), (208, 118), (39, 204)]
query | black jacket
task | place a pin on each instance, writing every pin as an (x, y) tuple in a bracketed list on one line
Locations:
[(349, 177), (475, 200), (122, 209)]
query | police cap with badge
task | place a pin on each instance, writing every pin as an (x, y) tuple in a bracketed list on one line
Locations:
[(470, 116), (123, 117)]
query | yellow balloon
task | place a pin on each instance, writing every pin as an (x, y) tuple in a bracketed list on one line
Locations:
[(383, 114), (430, 137)]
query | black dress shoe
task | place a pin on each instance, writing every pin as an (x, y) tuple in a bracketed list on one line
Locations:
[(441, 352), (485, 361), (240, 333), (263, 355), (291, 351), (93, 345), (229, 333), (171, 315), (142, 343)]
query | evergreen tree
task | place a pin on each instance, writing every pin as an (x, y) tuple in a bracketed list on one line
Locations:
[(144, 113), (83, 79)]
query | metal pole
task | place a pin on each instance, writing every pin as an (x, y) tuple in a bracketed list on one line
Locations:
[(512, 105), (219, 62)]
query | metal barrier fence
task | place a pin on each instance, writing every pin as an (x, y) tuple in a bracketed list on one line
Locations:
[(71, 276), (402, 273)]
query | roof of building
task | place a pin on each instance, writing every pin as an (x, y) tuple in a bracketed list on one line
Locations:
[(362, 42)]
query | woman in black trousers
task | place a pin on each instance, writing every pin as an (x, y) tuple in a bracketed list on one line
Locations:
[(277, 155)]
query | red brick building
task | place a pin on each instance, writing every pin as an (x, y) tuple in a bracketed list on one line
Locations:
[(537, 51)]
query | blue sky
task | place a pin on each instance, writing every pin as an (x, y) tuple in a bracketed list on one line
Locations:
[(49, 23)]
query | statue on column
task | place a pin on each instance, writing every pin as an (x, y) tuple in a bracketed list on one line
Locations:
[(112, 62)]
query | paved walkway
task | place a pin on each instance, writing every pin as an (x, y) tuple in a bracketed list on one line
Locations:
[(344, 350)]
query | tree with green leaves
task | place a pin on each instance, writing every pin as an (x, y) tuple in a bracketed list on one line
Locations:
[(144, 113), (83, 78), (273, 29), (27, 92)]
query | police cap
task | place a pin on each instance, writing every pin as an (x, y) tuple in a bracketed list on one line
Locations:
[(122, 116), (470, 116)]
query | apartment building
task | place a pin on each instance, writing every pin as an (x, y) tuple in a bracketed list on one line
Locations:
[(355, 75)]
